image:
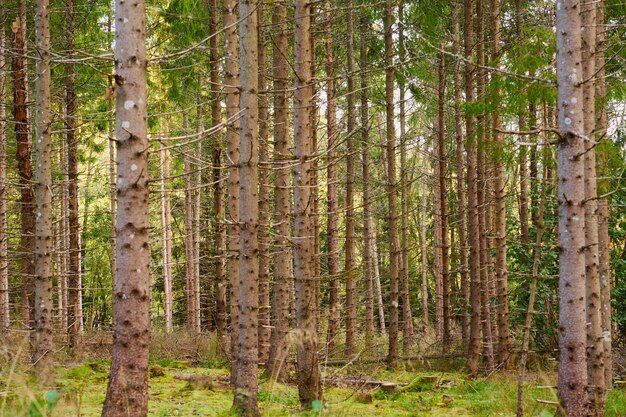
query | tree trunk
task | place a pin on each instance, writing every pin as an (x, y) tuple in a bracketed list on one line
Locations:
[(309, 378), (73, 284), (166, 225), (472, 194), (423, 247), (368, 254), (350, 267), (27, 207), (407, 313), (595, 344), (571, 196), (332, 222), (5, 318), (523, 157), (264, 199), (394, 243), (279, 347), (247, 388), (127, 392), (112, 169), (231, 80), (460, 182), (379, 290)]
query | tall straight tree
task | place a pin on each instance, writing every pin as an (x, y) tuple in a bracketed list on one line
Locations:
[(351, 295), (572, 387), (246, 387), (43, 354), (5, 319), (309, 377), (281, 295), (127, 391), (166, 233), (231, 81), (394, 244)]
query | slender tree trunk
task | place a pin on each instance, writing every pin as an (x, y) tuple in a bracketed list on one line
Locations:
[(368, 254), (407, 313), (309, 378), (221, 284), (350, 264), (231, 80), (424, 250), (443, 212), (394, 243), (5, 318), (332, 192), (604, 266), (112, 173), (539, 225), (472, 194), (379, 290), (73, 316), (166, 227), (279, 347), (27, 206), (64, 234), (595, 344), (264, 199), (247, 388), (437, 232), (572, 385), (499, 189), (523, 157), (127, 392), (195, 222), (460, 172)]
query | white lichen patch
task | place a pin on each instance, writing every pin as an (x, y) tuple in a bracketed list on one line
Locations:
[(568, 121), (129, 104), (133, 167), (125, 124)]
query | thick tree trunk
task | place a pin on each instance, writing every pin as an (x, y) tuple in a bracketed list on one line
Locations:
[(231, 80), (309, 378), (24, 166), (332, 191), (368, 254), (350, 264), (394, 243), (407, 313), (572, 385), (282, 289), (127, 392), (5, 318), (247, 388), (595, 344), (472, 194), (112, 169)]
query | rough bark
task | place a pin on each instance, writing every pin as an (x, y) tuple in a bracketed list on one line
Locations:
[(394, 242), (308, 372), (112, 171), (5, 319), (281, 295), (127, 392), (572, 384), (246, 387)]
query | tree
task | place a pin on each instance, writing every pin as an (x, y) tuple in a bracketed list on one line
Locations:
[(127, 391), (309, 378), (5, 318), (571, 197)]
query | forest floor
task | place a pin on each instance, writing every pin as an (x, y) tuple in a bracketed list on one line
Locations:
[(193, 387)]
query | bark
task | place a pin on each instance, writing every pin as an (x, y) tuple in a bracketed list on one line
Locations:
[(499, 189), (332, 223), (5, 318), (572, 384), (350, 264), (437, 232), (246, 387), (523, 157), (27, 203), (308, 375), (166, 232), (221, 284), (595, 344), (282, 289), (379, 291), (424, 248), (604, 267), (112, 171), (231, 80), (460, 182), (264, 199), (73, 284), (195, 222), (127, 392), (407, 313), (367, 212), (472, 194), (394, 243)]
